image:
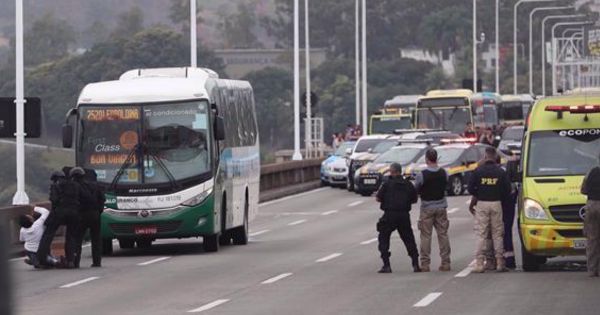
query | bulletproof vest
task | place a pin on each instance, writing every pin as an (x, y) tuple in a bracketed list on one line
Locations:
[(593, 184), (434, 185), (69, 195)]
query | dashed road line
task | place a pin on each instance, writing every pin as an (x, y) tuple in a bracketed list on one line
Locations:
[(268, 203), (329, 212), (277, 278), (428, 299), (468, 202), (329, 257), (356, 203), (150, 262), (17, 259), (76, 283), (296, 222), (209, 306), (257, 233), (467, 271), (373, 240), (453, 210)]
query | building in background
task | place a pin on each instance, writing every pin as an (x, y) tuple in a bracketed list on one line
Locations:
[(439, 59)]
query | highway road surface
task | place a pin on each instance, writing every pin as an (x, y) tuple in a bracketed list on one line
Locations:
[(314, 253)]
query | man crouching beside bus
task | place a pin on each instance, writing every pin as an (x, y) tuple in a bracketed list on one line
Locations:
[(591, 224), (396, 196)]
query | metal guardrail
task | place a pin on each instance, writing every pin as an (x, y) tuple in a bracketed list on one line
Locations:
[(276, 181)]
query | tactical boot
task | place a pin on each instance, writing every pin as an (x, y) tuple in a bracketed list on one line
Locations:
[(479, 267), (490, 264), (425, 268), (445, 267), (501, 265), (385, 269), (415, 263)]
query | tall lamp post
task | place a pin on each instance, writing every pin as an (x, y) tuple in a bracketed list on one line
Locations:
[(475, 43), (365, 104), (20, 197), (297, 156), (193, 38), (497, 50), (515, 11), (551, 17), (531, 14), (357, 60), (554, 88), (308, 135)]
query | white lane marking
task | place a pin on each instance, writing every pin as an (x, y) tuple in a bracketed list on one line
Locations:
[(428, 299), (277, 278), (150, 262), (17, 259), (268, 203), (296, 222), (76, 283), (356, 203), (257, 233), (468, 202), (330, 257), (208, 306), (453, 210), (329, 212), (467, 271), (373, 240)]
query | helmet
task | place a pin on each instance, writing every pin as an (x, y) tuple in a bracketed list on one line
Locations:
[(56, 175), (76, 172)]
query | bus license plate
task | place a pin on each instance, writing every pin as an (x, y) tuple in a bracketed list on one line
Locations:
[(370, 181), (579, 244), (145, 230)]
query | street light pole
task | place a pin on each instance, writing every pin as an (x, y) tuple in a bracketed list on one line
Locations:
[(515, 57), (531, 14), (550, 17), (357, 60), (297, 156), (554, 87), (474, 46), (193, 38), (365, 104), (497, 50), (574, 29), (308, 134), (20, 197)]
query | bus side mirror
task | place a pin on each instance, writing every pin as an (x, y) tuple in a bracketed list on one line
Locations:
[(67, 136), (219, 128)]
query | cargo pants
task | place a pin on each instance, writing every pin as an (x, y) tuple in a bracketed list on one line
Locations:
[(428, 220), (591, 229), (488, 219)]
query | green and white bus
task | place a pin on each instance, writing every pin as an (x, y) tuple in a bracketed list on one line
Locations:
[(177, 151)]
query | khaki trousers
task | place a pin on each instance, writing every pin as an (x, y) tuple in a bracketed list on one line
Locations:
[(428, 220), (488, 219)]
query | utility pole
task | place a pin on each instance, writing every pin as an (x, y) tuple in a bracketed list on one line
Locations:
[(193, 37), (365, 104), (308, 133), (474, 46), (297, 155), (20, 197), (357, 59), (497, 50)]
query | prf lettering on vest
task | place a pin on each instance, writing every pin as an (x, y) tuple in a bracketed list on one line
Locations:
[(489, 181)]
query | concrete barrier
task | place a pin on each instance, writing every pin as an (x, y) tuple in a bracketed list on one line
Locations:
[(276, 181)]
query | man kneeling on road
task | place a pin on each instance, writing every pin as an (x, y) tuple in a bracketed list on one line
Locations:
[(431, 184), (396, 196), (489, 184)]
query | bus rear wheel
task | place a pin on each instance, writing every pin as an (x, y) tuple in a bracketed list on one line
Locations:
[(210, 243)]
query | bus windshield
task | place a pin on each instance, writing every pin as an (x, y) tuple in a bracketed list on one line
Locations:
[(388, 124), (513, 111), (151, 144), (452, 119), (548, 151)]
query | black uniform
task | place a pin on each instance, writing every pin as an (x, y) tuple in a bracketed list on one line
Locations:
[(64, 196), (396, 196), (92, 205)]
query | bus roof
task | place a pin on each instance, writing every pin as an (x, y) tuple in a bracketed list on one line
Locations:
[(544, 118), (402, 101), (516, 98), (151, 85), (486, 95), (448, 93)]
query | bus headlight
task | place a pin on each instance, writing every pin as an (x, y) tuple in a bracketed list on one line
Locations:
[(198, 199), (533, 210)]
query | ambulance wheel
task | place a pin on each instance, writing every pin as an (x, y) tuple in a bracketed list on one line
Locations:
[(126, 243), (211, 243), (107, 247), (530, 261), (456, 186)]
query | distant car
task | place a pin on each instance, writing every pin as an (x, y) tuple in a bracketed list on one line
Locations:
[(459, 160), (334, 169), (512, 137), (361, 154), (370, 176)]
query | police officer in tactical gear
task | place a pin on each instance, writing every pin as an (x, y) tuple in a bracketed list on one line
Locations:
[(64, 196), (92, 205), (489, 185), (591, 224), (396, 196)]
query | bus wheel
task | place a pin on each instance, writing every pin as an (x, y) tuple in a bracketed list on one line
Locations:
[(107, 247), (211, 243), (144, 243), (126, 243), (456, 186), (240, 234), (225, 237)]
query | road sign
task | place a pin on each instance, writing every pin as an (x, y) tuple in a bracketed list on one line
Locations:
[(33, 117)]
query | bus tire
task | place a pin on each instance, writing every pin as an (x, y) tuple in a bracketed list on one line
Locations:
[(210, 243), (240, 234), (456, 187), (107, 247), (225, 237), (125, 243)]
